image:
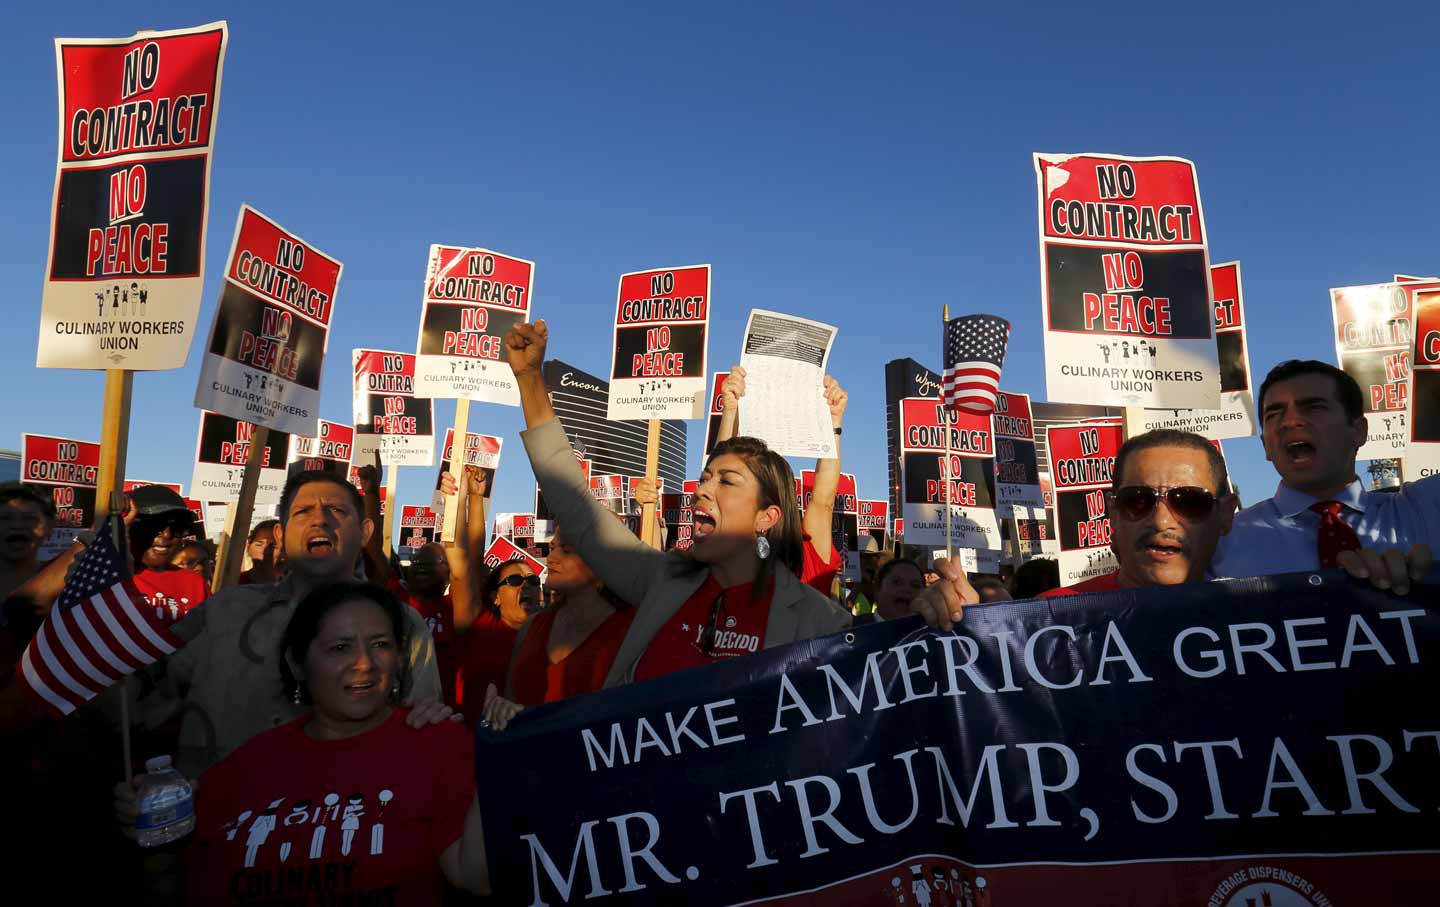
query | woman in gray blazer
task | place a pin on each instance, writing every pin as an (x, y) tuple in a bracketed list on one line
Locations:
[(733, 593)]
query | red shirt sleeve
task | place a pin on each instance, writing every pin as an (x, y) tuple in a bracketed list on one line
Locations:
[(454, 783), (819, 573)]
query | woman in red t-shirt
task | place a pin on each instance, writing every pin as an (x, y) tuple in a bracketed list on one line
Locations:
[(734, 592), (508, 595), (567, 649), (345, 803)]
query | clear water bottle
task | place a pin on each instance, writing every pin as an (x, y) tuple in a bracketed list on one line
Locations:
[(167, 808)]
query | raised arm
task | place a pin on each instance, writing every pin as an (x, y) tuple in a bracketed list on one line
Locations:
[(730, 393), (377, 568), (827, 478), (625, 563), (467, 558)]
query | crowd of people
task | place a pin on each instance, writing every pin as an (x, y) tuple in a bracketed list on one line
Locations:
[(321, 705)]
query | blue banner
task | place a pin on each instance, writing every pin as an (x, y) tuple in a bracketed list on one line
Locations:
[(1272, 741)]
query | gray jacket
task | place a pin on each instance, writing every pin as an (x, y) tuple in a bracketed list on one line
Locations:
[(656, 582)]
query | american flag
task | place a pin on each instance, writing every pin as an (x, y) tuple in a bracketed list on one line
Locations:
[(101, 628), (974, 352)]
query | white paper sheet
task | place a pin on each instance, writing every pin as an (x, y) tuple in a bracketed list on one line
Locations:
[(784, 358)]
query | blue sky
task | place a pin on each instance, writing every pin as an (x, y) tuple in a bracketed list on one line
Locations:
[(857, 164)]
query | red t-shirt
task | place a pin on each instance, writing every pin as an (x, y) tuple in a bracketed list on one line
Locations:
[(483, 657), (1107, 582), (439, 616), (173, 592), (816, 572), (535, 679), (739, 630), (290, 819)]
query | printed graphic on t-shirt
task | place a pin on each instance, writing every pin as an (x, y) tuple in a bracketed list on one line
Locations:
[(325, 828)]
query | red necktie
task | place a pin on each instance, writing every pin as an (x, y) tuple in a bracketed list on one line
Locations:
[(1335, 534)]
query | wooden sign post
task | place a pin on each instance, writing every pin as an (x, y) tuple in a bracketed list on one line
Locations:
[(114, 439), (392, 483), (652, 471), (457, 471), (237, 520)]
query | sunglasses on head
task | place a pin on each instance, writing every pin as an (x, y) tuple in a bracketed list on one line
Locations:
[(1189, 502), (516, 579)]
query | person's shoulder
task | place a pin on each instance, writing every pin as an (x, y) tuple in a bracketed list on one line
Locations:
[(1261, 513), (443, 737)]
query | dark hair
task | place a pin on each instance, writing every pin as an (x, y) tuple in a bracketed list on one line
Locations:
[(777, 488), (300, 479), (490, 586), (19, 491), (1169, 437), (611, 599), (305, 623), (894, 565), (203, 544), (265, 526), (1035, 576), (1347, 389)]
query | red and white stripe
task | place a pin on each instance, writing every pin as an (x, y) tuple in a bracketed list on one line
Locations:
[(971, 386), (81, 651)]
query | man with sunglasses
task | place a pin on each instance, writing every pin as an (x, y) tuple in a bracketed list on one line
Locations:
[(1313, 425), (1168, 506)]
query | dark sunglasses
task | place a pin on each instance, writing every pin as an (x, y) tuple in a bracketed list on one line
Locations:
[(1188, 502), (516, 579)]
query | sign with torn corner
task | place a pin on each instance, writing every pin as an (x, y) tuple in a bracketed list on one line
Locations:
[(1036, 749), (1125, 282)]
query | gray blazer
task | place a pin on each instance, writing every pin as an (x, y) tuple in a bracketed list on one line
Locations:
[(654, 581)]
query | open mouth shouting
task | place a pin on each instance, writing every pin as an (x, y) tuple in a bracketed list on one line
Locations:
[(361, 689), (704, 524), (319, 544), (1161, 549)]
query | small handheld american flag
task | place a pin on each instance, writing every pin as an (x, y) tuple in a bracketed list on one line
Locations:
[(974, 352), (101, 628)]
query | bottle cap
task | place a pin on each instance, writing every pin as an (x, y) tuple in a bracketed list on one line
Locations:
[(157, 764)]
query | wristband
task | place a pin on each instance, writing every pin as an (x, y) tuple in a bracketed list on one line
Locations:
[(837, 431)]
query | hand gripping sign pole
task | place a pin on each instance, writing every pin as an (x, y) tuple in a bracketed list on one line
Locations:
[(237, 519), (652, 470), (457, 470)]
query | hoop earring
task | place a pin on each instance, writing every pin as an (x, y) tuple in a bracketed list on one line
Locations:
[(762, 547)]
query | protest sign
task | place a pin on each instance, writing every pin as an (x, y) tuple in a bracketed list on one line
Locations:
[(682, 533), (1037, 749), (221, 449), (1373, 344), (712, 424), (503, 551), (353, 477), (388, 416), (1017, 469), (1236, 416), (1125, 282), (1422, 456), (1082, 458), (132, 484), (610, 491), (481, 451), (330, 451), (972, 560), (844, 520), (874, 519), (903, 378), (471, 300), (522, 529), (68, 470), (614, 446), (267, 342), (419, 526), (961, 477), (785, 359), (125, 266), (1034, 538), (661, 318)]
